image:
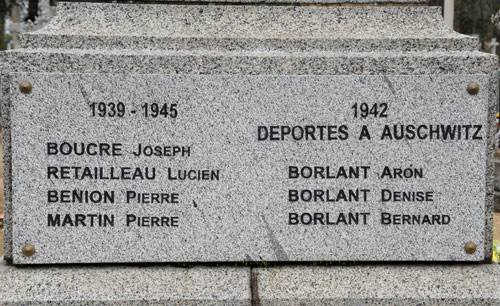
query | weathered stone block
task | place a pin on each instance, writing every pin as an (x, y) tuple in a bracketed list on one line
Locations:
[(379, 285), (124, 285)]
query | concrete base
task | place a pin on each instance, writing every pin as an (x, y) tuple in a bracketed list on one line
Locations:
[(435, 284), (124, 285), (401, 284)]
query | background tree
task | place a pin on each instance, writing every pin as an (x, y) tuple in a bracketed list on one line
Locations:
[(3, 16), (19, 16), (32, 10), (473, 17)]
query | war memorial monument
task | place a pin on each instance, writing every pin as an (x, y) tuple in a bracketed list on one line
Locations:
[(256, 152)]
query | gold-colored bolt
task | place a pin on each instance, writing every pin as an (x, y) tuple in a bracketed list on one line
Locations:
[(470, 248), (25, 87), (473, 88), (28, 250)]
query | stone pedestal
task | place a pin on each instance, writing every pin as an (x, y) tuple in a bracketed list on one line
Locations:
[(350, 284), (401, 41), (360, 38)]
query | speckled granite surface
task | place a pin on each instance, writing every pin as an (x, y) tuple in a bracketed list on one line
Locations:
[(229, 40), (263, 2), (221, 29), (226, 40), (218, 118), (223, 285), (380, 285), (124, 285)]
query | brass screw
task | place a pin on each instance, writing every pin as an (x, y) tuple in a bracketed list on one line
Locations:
[(473, 88), (25, 87), (28, 250), (470, 248)]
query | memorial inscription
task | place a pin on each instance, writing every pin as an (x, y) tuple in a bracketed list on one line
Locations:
[(162, 168)]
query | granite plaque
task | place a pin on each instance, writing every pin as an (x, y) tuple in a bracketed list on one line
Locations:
[(229, 168)]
